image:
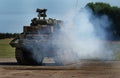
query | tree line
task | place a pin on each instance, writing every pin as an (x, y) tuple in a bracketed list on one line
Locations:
[(8, 35), (113, 12)]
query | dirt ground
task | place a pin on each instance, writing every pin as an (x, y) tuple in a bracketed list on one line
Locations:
[(83, 69)]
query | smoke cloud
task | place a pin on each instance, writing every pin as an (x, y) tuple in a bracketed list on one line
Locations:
[(82, 37)]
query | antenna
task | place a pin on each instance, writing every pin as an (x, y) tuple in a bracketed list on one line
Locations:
[(76, 5)]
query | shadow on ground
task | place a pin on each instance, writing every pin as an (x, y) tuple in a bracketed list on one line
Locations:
[(15, 63), (8, 63)]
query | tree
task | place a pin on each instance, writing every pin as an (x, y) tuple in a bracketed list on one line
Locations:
[(7, 35), (112, 12)]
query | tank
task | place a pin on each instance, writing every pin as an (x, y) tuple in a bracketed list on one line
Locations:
[(36, 40)]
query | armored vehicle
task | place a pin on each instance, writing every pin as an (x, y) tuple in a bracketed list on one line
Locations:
[(36, 40)]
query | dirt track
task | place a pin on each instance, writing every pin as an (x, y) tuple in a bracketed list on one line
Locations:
[(83, 69)]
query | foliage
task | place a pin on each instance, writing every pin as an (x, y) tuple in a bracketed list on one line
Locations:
[(112, 12), (7, 35)]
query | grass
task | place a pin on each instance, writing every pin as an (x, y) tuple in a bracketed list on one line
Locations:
[(115, 47), (6, 51)]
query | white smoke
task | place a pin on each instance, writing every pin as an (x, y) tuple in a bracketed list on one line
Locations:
[(82, 36)]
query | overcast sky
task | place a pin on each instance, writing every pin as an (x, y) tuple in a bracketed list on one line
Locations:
[(16, 13)]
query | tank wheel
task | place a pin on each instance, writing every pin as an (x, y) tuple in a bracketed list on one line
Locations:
[(19, 56), (25, 58)]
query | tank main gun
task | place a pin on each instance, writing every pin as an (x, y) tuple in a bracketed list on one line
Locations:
[(41, 13)]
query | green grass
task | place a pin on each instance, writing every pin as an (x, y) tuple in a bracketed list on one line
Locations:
[(6, 51), (115, 47)]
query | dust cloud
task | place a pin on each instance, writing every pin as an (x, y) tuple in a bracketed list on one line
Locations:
[(82, 37)]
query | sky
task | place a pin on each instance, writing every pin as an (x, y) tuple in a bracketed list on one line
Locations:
[(14, 14)]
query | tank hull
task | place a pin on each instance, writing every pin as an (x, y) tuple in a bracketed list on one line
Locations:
[(33, 52)]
